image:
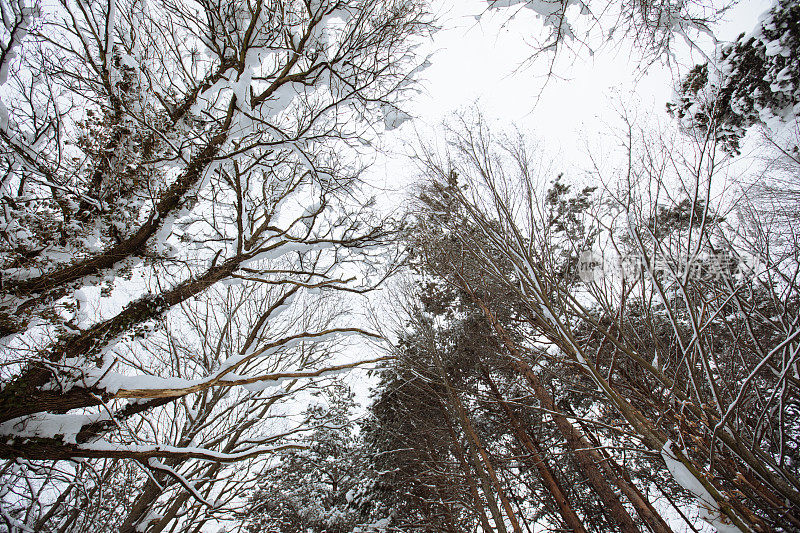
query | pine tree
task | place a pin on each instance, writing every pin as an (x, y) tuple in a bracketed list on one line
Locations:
[(671, 352), (752, 81), (324, 488)]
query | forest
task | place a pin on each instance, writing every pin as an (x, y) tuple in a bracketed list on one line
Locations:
[(214, 319)]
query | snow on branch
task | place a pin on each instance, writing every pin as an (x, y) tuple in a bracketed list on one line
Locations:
[(54, 449), (157, 387)]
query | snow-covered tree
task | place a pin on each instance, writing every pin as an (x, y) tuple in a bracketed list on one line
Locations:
[(180, 195), (753, 80), (650, 26), (324, 488), (461, 366), (689, 344), (151, 144)]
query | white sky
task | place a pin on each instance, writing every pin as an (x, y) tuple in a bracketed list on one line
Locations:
[(477, 62)]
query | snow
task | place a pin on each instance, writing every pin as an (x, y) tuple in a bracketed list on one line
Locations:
[(3, 116), (551, 13), (393, 117), (378, 526), (709, 508), (113, 382), (330, 30), (275, 251), (263, 385), (158, 465), (773, 48), (45, 425), (241, 91), (128, 61), (111, 21), (81, 317), (17, 26), (151, 516), (165, 450)]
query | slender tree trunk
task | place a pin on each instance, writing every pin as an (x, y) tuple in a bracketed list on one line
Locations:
[(54, 508), (586, 457), (486, 485), (549, 480), (643, 507), (143, 503), (741, 517), (474, 440), (473, 487)]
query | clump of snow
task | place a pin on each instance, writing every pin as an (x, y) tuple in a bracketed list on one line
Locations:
[(17, 24), (393, 117), (708, 506), (49, 426)]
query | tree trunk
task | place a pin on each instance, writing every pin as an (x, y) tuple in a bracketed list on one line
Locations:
[(475, 443), (643, 507), (473, 487), (23, 395), (586, 457), (549, 480)]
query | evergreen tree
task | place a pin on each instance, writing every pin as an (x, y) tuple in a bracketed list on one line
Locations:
[(753, 80), (627, 365), (324, 488)]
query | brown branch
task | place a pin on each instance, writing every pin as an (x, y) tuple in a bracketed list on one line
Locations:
[(56, 450), (218, 382)]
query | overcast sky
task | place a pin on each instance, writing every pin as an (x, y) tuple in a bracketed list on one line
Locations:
[(477, 61)]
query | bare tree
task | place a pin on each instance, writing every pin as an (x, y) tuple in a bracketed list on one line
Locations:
[(650, 27), (219, 180), (170, 155), (195, 479), (690, 349)]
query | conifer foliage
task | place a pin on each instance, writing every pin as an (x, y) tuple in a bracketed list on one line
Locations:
[(323, 488), (752, 81)]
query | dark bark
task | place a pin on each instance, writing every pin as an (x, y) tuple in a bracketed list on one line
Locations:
[(55, 449), (170, 200), (143, 502), (587, 458), (643, 507), (546, 475), (23, 395), (473, 487), (474, 442)]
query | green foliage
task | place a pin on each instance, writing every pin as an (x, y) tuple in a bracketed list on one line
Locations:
[(324, 488), (753, 81)]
